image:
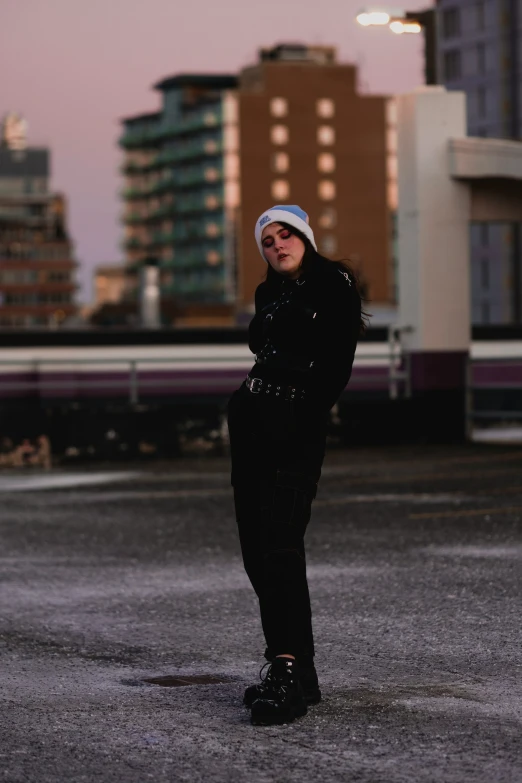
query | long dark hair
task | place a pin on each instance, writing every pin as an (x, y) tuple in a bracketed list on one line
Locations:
[(312, 261)]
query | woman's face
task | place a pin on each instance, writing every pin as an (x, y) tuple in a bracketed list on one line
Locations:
[(283, 250)]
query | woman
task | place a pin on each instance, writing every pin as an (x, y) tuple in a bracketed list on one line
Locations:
[(304, 334)]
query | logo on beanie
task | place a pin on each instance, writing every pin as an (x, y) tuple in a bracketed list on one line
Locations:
[(264, 220)]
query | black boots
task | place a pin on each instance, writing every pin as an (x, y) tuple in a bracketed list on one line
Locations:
[(279, 698), (309, 683)]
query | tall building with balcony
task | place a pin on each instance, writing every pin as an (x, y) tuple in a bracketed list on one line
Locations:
[(36, 258), (181, 190), (480, 53), (292, 128)]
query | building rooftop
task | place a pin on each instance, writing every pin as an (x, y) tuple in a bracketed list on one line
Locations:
[(298, 52), (218, 81), (139, 118), (30, 162)]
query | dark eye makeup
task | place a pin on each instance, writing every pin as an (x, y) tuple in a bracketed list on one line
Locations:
[(269, 241)]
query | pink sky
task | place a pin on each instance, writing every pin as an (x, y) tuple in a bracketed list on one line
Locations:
[(74, 68)]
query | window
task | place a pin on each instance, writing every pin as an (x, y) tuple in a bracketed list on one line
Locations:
[(481, 58), (392, 167), (485, 312), (279, 134), (451, 23), (278, 107), (328, 218), (213, 257), (329, 244), (480, 16), (391, 140), (231, 165), (325, 107), (326, 189), (326, 162), (484, 234), (210, 146), (481, 102), (212, 229), (452, 64), (484, 273), (281, 162), (325, 135), (211, 175), (280, 189), (211, 202)]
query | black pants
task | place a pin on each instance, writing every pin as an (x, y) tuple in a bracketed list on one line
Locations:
[(277, 451)]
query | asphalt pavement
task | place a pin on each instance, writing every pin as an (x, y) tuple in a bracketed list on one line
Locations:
[(113, 576)]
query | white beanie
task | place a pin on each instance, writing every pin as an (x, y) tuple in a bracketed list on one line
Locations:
[(287, 213)]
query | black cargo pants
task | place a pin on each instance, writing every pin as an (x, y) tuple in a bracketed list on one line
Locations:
[(277, 450)]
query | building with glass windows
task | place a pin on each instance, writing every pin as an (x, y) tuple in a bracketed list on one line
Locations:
[(480, 52), (37, 269), (290, 129), (180, 192)]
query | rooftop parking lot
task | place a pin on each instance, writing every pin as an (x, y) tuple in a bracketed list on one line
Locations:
[(114, 576)]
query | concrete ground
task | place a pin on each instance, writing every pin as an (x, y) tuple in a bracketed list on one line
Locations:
[(113, 576)]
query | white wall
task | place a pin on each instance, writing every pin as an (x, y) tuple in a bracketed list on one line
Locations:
[(433, 218)]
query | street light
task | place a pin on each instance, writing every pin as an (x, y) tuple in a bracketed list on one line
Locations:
[(403, 22), (373, 18), (398, 27)]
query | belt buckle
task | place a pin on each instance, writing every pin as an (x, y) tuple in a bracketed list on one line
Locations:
[(255, 385)]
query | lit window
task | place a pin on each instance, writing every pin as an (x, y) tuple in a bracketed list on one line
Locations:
[(212, 229), (278, 107), (231, 165), (210, 146), (211, 175), (392, 195), (231, 138), (326, 162), (392, 167), (279, 134), (213, 257), (232, 194), (210, 118), (325, 135), (280, 189), (329, 244), (211, 202), (280, 162), (391, 112), (326, 189), (325, 108), (391, 139), (328, 218)]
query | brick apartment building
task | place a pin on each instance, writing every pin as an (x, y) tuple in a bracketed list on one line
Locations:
[(290, 129), (36, 266), (307, 137)]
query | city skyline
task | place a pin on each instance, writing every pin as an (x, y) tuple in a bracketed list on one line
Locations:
[(74, 102)]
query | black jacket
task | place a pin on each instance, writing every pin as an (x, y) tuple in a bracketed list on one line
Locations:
[(305, 331)]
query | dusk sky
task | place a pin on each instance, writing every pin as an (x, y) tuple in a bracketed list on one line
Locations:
[(74, 68)]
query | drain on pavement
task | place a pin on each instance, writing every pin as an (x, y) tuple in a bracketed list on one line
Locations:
[(176, 682)]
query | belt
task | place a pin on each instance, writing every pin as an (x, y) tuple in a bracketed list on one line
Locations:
[(262, 386)]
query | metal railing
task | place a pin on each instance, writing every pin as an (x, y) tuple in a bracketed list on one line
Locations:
[(473, 386), (395, 375)]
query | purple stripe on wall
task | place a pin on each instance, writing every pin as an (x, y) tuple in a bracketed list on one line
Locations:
[(436, 370)]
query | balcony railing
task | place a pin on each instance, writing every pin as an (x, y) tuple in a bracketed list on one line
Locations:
[(151, 136)]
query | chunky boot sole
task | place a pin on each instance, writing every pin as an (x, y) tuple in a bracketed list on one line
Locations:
[(262, 718), (312, 696)]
